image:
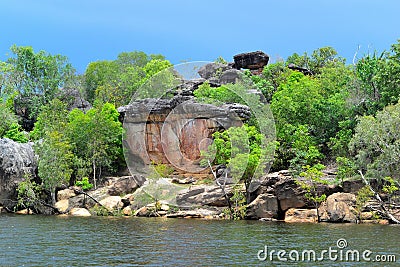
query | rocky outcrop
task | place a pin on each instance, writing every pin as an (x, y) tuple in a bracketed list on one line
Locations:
[(253, 61), (117, 186), (203, 195), (300, 69), (159, 131), (81, 212), (112, 203), (264, 206), (115, 194), (197, 213), (339, 207), (17, 161), (74, 99), (213, 70), (293, 215)]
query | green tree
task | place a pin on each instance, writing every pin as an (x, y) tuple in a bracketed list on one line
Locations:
[(309, 180), (7, 118), (53, 147), (96, 137), (38, 76), (376, 143), (240, 149), (55, 162), (116, 81)]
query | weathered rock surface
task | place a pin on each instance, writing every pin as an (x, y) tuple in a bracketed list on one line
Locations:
[(230, 76), (158, 131), (16, 161), (118, 186), (196, 213), (253, 60), (112, 203), (127, 211), (24, 212), (339, 207), (202, 195), (79, 212), (74, 99), (264, 206), (300, 69), (65, 194), (62, 205), (289, 194), (213, 70), (301, 215)]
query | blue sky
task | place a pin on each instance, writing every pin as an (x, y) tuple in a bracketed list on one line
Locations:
[(186, 30)]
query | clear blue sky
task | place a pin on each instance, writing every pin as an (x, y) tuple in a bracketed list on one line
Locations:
[(186, 30)]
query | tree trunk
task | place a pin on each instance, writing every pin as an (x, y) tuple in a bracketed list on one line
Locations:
[(222, 186), (381, 203), (94, 174)]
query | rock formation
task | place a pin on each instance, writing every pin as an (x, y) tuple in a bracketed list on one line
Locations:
[(164, 132), (254, 61), (16, 162)]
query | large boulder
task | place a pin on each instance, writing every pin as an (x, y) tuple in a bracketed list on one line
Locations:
[(264, 206), (301, 215), (16, 162), (213, 70), (339, 207), (290, 194), (112, 203), (118, 186), (203, 195), (253, 60), (230, 76), (81, 212)]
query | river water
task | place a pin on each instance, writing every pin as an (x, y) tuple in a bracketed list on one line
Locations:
[(117, 241)]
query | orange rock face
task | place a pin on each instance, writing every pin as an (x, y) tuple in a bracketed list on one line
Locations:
[(174, 136)]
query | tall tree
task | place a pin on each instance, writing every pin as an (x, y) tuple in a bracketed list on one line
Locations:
[(37, 75), (96, 137)]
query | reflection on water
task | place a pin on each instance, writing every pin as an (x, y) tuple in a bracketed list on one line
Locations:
[(102, 241)]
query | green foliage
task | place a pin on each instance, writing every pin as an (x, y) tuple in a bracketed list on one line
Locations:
[(15, 133), (378, 82), (363, 196), (96, 137), (37, 75), (163, 170), (27, 193), (297, 147), (55, 161), (309, 180), (346, 168), (53, 117), (239, 148), (7, 119), (224, 94), (239, 203), (376, 143), (84, 184), (117, 81), (319, 59), (221, 60), (100, 211)]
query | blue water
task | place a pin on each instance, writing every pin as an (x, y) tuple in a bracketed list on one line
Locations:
[(118, 241)]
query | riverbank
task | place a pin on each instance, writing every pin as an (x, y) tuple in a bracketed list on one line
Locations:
[(276, 197)]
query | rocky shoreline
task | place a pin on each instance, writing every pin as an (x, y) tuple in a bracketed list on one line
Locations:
[(275, 197)]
